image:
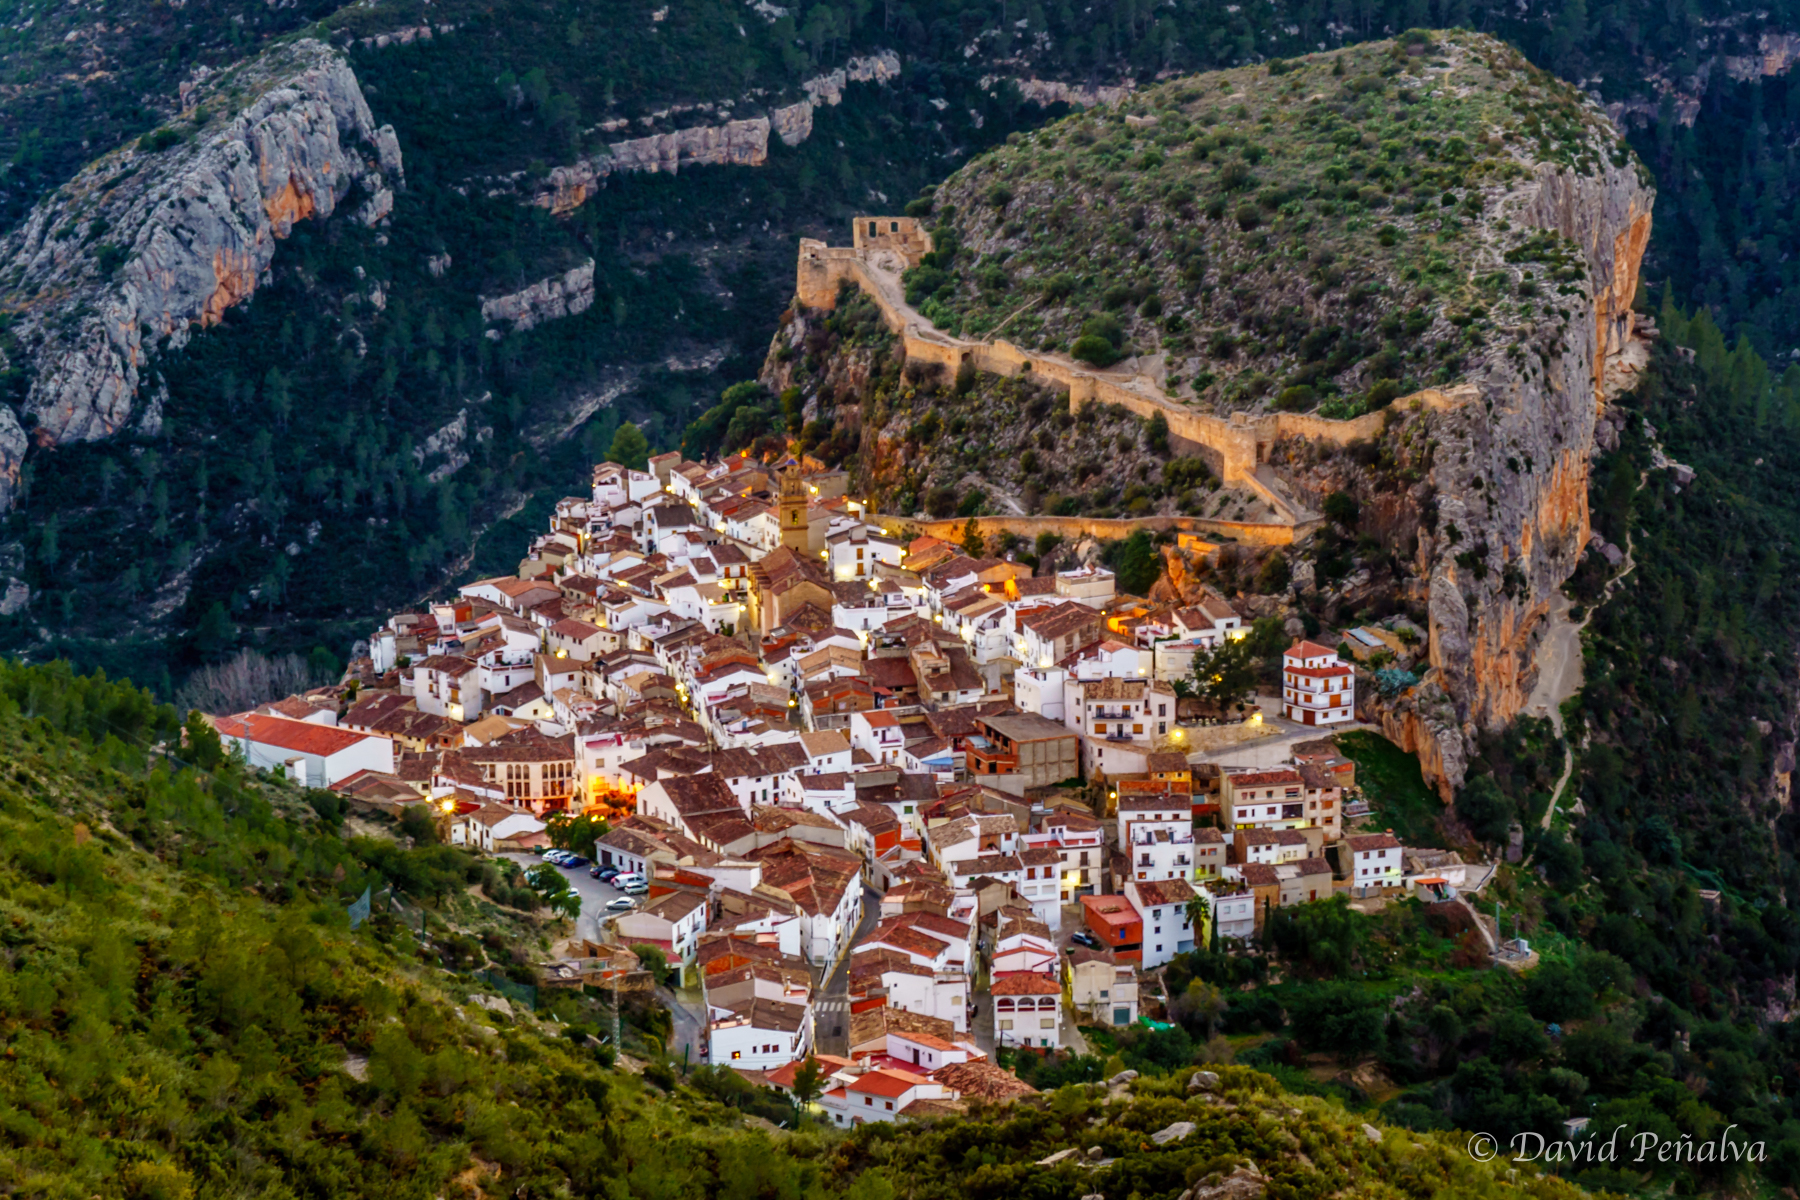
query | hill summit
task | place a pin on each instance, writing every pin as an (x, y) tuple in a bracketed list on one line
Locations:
[(1328, 233)]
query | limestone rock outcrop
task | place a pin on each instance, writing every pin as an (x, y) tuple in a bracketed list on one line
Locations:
[(743, 142), (562, 295), (144, 243), (1054, 91), (1511, 475)]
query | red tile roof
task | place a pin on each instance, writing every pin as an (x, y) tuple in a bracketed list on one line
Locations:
[(1305, 649), (886, 1083), (302, 737)]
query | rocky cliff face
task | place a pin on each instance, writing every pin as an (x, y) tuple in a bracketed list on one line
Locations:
[(743, 142), (1511, 475), (147, 242), (562, 295)]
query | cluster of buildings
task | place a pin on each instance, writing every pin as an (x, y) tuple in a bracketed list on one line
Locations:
[(793, 718)]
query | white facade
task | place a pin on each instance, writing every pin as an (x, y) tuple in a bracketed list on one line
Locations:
[(1167, 930), (313, 755), (1317, 688), (1157, 836), (737, 1040)]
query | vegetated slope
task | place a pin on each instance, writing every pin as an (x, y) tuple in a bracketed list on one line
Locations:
[(185, 1013), (464, 129), (1351, 226), (918, 440), (394, 424)]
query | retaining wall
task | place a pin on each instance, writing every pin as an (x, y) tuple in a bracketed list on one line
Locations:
[(1254, 533)]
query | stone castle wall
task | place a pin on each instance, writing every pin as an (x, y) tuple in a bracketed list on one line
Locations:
[(1233, 445)]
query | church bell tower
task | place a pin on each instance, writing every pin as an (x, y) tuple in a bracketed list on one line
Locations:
[(792, 507)]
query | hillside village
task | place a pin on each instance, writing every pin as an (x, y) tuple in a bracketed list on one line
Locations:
[(885, 804)]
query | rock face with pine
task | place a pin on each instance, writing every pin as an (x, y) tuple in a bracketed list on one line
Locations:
[(172, 230), (1428, 229)]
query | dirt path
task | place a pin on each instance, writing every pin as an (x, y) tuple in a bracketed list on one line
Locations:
[(1560, 676)]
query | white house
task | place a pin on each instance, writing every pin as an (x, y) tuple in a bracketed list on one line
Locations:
[(1163, 908), (759, 1035), (1375, 860), (1028, 1011), (878, 732), (314, 755), (927, 1051), (672, 922), (1317, 688), (853, 552), (857, 1095), (1156, 834), (1233, 909)]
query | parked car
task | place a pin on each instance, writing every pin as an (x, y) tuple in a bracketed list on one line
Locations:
[(622, 904), (625, 877), (636, 887), (594, 872), (555, 857), (1083, 937), (607, 873), (574, 860)]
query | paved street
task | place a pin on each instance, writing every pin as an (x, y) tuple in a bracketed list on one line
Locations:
[(687, 1041), (831, 1011)]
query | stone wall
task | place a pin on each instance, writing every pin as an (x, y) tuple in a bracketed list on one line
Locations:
[(951, 529), (1233, 445)]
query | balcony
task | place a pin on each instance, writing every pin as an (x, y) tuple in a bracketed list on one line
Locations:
[(1119, 714)]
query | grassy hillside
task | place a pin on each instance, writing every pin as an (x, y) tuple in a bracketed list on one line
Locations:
[(1317, 232), (185, 1013)]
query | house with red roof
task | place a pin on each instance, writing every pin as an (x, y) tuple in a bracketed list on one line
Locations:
[(857, 1095), (314, 755), (1317, 687)]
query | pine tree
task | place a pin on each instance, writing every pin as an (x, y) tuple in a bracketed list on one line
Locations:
[(630, 448)]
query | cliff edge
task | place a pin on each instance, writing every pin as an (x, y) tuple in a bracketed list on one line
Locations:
[(175, 229)]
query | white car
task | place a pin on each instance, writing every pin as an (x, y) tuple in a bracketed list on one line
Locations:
[(555, 857), (622, 904)]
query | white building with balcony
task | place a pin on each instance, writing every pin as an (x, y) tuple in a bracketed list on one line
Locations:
[(1317, 687), (1156, 836)]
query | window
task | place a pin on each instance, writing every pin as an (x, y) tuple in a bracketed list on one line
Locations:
[(1137, 729), (1006, 1024), (737, 1054), (1047, 1023), (869, 1100), (1162, 710), (890, 1105)]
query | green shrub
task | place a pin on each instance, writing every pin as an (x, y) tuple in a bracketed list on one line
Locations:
[(1248, 216), (1096, 350)]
